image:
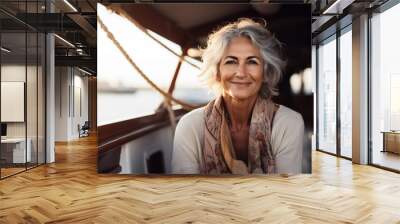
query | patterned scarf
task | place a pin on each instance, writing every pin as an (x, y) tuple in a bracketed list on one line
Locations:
[(218, 152)]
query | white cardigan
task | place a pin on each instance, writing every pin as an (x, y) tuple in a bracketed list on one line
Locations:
[(286, 140)]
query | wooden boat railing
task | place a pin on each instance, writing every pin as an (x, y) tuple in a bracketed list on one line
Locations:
[(112, 136)]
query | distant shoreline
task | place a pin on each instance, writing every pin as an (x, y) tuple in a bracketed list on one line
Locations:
[(119, 91)]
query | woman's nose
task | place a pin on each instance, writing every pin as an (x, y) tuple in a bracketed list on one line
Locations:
[(241, 70)]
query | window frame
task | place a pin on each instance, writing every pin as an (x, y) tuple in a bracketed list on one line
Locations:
[(335, 36)]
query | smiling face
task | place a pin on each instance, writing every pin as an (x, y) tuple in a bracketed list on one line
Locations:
[(241, 70)]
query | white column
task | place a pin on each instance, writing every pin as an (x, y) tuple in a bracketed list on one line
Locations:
[(50, 99), (50, 92), (360, 90)]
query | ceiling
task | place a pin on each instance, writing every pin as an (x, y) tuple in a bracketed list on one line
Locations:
[(76, 24)]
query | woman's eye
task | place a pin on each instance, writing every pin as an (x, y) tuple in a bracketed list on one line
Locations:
[(252, 62), (230, 62)]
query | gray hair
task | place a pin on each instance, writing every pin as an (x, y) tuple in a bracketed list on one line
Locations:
[(261, 37)]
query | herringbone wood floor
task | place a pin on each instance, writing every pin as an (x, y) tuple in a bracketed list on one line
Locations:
[(70, 191)]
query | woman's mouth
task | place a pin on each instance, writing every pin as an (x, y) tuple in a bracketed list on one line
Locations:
[(241, 83)]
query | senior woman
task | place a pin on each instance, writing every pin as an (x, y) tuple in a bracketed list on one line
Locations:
[(242, 131)]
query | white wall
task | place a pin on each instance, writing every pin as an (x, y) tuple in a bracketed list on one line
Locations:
[(81, 104), (33, 126), (71, 102), (62, 80), (16, 73)]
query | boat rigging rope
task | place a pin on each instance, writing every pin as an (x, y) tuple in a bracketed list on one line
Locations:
[(167, 96), (125, 15)]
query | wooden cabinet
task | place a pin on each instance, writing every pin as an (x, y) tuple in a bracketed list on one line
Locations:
[(391, 142)]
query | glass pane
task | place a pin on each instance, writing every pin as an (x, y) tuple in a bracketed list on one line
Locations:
[(327, 96), (125, 84), (13, 88), (314, 90), (385, 86), (41, 98), (31, 98), (346, 94)]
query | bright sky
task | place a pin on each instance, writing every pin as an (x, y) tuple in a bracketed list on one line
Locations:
[(390, 36), (156, 61), (390, 48)]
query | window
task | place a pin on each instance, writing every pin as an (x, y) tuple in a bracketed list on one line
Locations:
[(346, 93), (385, 85), (23, 79), (327, 96)]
